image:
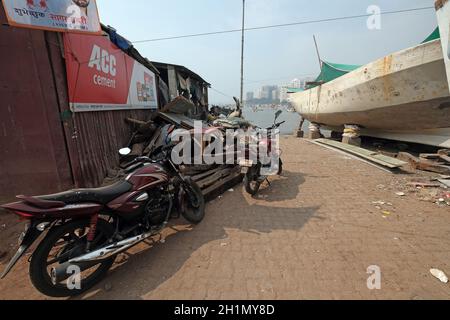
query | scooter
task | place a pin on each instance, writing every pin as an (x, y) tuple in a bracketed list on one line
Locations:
[(84, 230), (252, 169)]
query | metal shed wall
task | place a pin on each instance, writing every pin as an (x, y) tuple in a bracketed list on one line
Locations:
[(97, 137), (33, 155), (44, 147)]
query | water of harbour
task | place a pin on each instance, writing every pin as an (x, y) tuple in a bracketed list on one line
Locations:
[(264, 118)]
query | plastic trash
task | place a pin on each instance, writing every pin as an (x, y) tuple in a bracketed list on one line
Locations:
[(439, 275), (401, 194)]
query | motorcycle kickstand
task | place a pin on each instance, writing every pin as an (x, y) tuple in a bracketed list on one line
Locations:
[(267, 179)]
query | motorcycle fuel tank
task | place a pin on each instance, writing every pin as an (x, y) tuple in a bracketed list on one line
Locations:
[(149, 175), (132, 204)]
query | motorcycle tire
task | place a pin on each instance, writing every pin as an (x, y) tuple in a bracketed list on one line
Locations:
[(251, 183), (39, 273), (280, 168), (193, 212)]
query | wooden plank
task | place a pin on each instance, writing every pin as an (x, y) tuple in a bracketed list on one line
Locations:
[(213, 178), (373, 164), (445, 158), (220, 184), (424, 165), (424, 185), (445, 182), (206, 174), (229, 183), (191, 170), (383, 160), (429, 156), (152, 145)]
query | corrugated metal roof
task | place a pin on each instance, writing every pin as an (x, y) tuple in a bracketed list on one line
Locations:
[(183, 69)]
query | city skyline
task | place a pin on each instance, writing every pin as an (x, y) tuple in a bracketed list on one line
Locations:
[(275, 93)]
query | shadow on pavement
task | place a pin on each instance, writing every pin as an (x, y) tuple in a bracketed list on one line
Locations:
[(288, 183), (147, 269)]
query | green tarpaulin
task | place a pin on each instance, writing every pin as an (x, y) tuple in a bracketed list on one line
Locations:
[(434, 36), (331, 71), (294, 90)]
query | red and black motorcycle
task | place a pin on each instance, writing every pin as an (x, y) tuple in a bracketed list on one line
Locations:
[(86, 229), (256, 171)]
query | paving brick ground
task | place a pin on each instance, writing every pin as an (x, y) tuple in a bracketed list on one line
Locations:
[(311, 235)]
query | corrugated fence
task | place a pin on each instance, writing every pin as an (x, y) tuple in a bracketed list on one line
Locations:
[(43, 146)]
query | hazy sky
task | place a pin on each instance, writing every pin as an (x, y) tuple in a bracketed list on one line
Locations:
[(272, 56)]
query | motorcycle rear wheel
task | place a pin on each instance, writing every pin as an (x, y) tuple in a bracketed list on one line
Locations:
[(71, 233)]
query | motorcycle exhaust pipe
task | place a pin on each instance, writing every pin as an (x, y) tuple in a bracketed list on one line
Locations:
[(66, 270), (86, 261)]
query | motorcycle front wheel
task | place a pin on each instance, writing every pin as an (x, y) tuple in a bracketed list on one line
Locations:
[(193, 202), (59, 246), (280, 167), (251, 182)]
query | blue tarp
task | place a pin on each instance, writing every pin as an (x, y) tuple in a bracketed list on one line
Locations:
[(118, 40)]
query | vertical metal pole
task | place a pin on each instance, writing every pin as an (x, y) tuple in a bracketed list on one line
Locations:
[(318, 53), (242, 51)]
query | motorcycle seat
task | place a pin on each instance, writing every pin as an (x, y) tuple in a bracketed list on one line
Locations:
[(39, 203), (102, 195)]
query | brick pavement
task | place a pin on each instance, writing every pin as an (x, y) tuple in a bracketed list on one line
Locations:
[(310, 235)]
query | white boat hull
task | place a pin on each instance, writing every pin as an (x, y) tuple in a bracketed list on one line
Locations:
[(404, 96)]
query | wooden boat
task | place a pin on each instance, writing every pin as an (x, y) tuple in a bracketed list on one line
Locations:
[(404, 96)]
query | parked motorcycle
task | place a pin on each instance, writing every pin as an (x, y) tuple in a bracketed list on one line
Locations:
[(253, 170), (86, 229)]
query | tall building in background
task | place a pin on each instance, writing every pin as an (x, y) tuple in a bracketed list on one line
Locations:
[(267, 92), (258, 93), (271, 94), (283, 93), (297, 84), (276, 95)]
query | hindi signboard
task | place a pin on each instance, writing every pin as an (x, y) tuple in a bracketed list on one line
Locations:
[(54, 15), (102, 77)]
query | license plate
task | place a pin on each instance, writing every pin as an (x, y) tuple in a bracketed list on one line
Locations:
[(23, 234), (244, 170), (21, 237)]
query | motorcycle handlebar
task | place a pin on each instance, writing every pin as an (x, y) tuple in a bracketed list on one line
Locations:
[(138, 161), (275, 126)]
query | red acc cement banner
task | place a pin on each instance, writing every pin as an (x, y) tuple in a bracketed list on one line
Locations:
[(102, 77)]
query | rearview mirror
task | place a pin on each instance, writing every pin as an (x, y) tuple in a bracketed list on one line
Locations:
[(238, 103), (124, 151), (278, 114)]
